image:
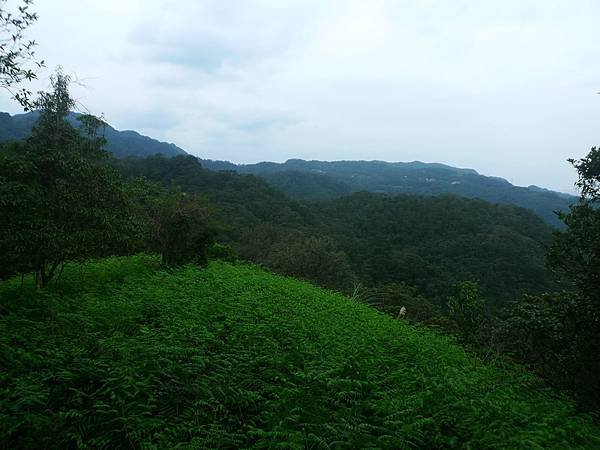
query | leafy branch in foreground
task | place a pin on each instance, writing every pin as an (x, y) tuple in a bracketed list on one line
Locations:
[(17, 54)]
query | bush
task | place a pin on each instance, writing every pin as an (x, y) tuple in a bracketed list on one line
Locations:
[(181, 228), (222, 252), (556, 335)]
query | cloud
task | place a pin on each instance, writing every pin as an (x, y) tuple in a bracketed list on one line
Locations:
[(210, 35), (500, 86)]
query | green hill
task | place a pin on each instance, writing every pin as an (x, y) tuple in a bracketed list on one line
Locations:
[(121, 354), (433, 242), (325, 180), (424, 241)]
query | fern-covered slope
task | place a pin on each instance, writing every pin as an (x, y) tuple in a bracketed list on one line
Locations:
[(121, 354)]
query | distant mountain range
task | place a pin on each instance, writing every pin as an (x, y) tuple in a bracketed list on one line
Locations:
[(322, 180), (120, 143)]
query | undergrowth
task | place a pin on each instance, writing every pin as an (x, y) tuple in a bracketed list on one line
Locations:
[(121, 354)]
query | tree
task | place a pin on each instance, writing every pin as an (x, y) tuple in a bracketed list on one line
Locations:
[(588, 169), (58, 202), (555, 335), (181, 228), (559, 334), (466, 308), (575, 252), (17, 54), (315, 259)]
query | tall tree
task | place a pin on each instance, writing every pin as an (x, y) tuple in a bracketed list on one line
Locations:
[(59, 203)]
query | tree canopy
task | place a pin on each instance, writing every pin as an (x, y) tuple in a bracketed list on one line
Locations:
[(58, 202)]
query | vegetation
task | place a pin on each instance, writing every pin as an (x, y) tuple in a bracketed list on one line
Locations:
[(17, 54), (311, 258), (322, 180), (58, 203), (430, 243), (122, 354), (466, 307), (433, 243), (181, 228), (242, 201), (164, 350), (558, 334)]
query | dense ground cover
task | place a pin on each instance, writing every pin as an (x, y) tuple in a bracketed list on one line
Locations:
[(122, 354)]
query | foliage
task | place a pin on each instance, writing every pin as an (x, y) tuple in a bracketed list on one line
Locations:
[(17, 55), (426, 242), (588, 169), (559, 335), (311, 258), (575, 252), (222, 252), (466, 307), (181, 228), (242, 201), (326, 180), (121, 354), (391, 298), (432, 243), (556, 335), (57, 202), (310, 187)]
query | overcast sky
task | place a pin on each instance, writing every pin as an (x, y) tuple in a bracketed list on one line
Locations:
[(506, 87)]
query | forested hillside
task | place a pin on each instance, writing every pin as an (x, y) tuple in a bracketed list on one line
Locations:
[(427, 242), (322, 180), (242, 201), (434, 242)]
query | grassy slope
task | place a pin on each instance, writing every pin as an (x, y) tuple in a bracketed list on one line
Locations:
[(121, 354)]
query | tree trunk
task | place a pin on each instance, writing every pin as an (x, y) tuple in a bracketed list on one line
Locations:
[(41, 280)]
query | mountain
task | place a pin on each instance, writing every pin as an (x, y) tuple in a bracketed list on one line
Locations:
[(323, 180), (125, 354), (121, 143)]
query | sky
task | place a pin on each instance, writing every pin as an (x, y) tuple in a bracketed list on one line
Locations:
[(506, 87)]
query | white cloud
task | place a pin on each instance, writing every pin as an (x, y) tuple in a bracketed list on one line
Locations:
[(506, 87)]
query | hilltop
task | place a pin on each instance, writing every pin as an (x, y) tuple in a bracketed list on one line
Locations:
[(121, 353)]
